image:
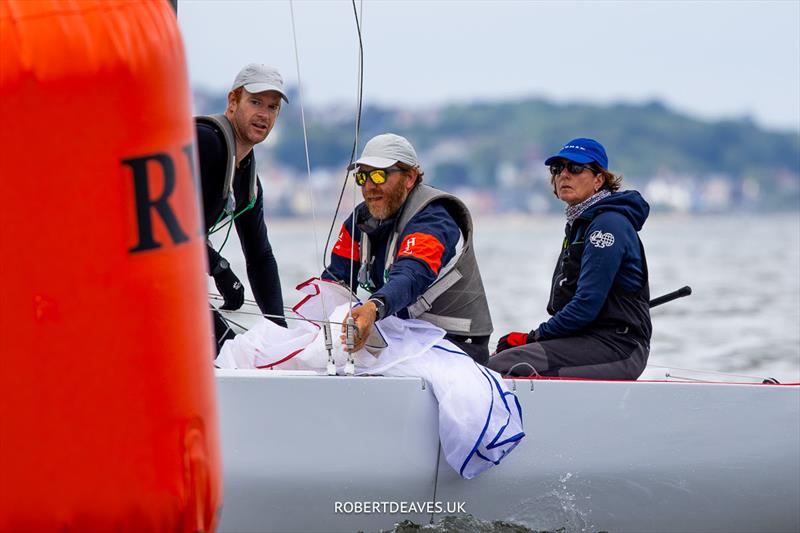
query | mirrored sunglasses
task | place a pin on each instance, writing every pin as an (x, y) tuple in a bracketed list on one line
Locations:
[(378, 176)]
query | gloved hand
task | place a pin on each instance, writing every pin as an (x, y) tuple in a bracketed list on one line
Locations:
[(513, 339), (230, 288)]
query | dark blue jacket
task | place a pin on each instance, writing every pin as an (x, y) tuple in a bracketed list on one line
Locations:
[(611, 260), (435, 235)]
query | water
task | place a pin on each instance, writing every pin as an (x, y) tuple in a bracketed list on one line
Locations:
[(743, 315), (459, 524)]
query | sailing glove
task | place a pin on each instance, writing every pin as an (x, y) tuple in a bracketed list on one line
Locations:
[(229, 287), (513, 339)]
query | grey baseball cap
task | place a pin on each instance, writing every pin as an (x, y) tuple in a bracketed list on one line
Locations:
[(256, 78), (383, 151)]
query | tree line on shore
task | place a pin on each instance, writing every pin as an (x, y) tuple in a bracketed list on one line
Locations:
[(468, 144)]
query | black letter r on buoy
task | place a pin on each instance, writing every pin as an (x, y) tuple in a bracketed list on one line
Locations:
[(145, 205)]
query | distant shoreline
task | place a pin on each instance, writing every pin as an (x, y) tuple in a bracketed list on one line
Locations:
[(521, 219)]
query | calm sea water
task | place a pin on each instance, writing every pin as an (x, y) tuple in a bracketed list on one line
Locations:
[(744, 270)]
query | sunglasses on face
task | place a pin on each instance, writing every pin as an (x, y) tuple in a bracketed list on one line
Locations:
[(378, 176), (572, 168)]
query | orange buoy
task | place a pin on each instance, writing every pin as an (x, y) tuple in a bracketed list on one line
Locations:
[(108, 419)]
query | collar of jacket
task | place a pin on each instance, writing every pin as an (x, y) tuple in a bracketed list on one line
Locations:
[(371, 225)]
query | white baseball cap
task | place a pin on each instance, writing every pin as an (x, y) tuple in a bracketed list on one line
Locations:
[(383, 151), (257, 78)]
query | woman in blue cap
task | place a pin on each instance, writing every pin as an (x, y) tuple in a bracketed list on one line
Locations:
[(600, 324)]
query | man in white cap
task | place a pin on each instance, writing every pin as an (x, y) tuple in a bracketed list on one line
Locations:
[(405, 250), (232, 193)]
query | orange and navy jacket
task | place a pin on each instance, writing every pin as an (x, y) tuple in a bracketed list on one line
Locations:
[(427, 243)]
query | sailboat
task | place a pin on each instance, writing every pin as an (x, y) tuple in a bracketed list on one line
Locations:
[(111, 417), (677, 450)]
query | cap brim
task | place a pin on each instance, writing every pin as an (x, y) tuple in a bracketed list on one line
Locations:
[(377, 162), (261, 87), (571, 156)]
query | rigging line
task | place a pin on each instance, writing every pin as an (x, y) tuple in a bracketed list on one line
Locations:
[(355, 142), (305, 145), (228, 312), (219, 297), (228, 323), (351, 330), (355, 145)]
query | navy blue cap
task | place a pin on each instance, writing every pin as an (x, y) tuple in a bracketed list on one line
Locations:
[(581, 150)]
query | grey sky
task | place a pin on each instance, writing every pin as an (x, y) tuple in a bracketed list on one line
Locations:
[(711, 59)]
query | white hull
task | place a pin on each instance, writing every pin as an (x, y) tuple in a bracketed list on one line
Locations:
[(615, 456)]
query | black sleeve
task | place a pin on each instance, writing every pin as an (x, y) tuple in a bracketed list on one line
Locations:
[(213, 257), (212, 156), (262, 268)]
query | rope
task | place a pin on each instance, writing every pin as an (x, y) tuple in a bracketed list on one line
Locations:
[(214, 296), (359, 106), (305, 141), (263, 315), (355, 143), (351, 328), (267, 315)]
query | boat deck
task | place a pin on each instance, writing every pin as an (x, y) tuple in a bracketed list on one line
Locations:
[(598, 455)]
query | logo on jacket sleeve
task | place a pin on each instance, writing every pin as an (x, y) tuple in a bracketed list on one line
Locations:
[(601, 240), (424, 247), (345, 247)]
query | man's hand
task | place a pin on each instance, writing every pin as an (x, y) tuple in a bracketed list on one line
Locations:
[(513, 339), (364, 317), (230, 288)]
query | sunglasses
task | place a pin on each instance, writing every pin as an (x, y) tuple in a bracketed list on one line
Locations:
[(378, 176), (572, 168)]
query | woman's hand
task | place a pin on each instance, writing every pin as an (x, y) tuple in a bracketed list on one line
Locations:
[(513, 339)]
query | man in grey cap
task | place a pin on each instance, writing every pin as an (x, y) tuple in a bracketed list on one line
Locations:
[(404, 250), (232, 193)]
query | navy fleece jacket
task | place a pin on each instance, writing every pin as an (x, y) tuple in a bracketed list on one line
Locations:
[(603, 266)]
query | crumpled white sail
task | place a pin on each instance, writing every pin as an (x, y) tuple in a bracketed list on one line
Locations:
[(480, 420)]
